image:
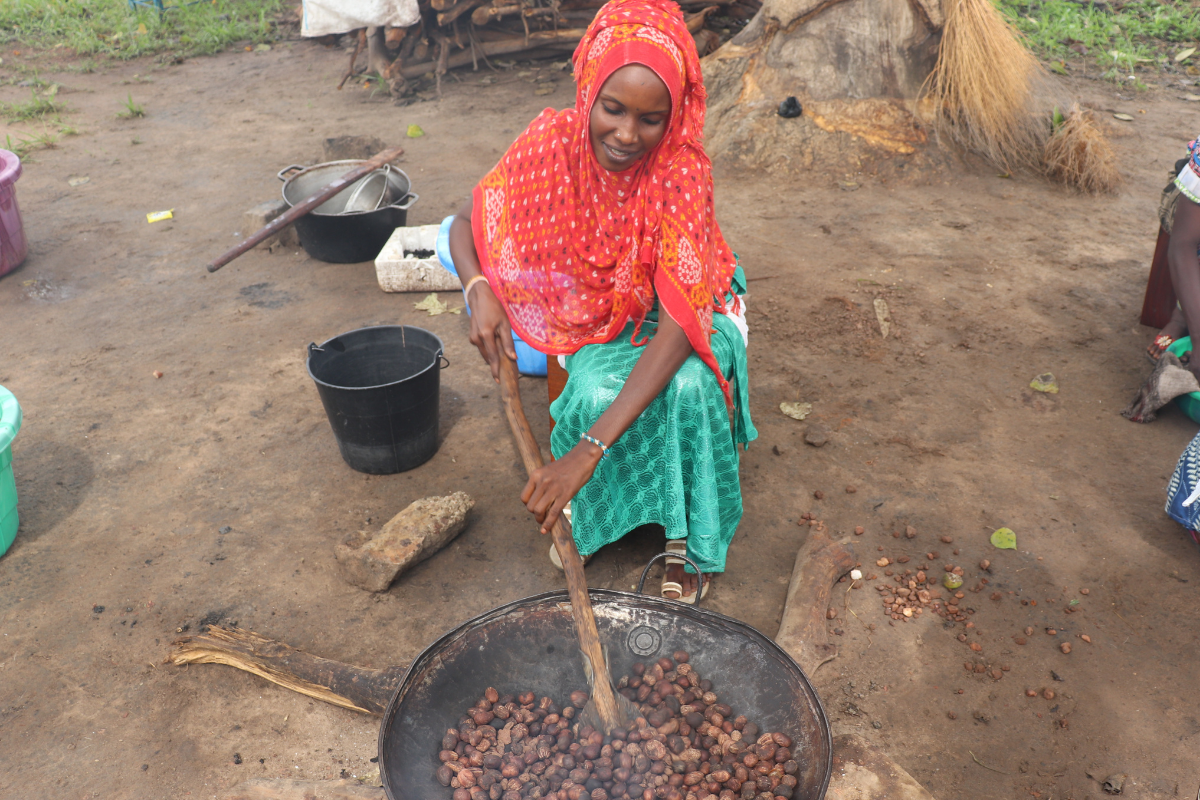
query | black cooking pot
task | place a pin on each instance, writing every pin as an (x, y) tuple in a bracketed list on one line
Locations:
[(530, 645), (329, 232)]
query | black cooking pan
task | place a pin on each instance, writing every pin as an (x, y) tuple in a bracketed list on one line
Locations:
[(530, 645)]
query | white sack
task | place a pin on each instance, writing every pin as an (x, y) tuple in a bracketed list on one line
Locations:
[(322, 17)]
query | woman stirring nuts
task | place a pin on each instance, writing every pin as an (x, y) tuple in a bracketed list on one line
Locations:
[(597, 220)]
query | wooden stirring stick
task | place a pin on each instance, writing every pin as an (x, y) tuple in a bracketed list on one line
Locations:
[(607, 708)]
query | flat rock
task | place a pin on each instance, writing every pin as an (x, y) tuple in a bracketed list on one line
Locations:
[(359, 148), (373, 561), (255, 219), (817, 435)]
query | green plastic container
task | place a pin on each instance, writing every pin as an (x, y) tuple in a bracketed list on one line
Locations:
[(1188, 403), (10, 423)]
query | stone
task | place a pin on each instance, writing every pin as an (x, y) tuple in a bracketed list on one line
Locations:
[(817, 435), (373, 561), (255, 219), (357, 148)]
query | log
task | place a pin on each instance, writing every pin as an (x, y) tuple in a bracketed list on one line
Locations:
[(820, 562), (288, 789), (457, 10), (482, 16), (566, 37), (863, 772), (345, 685)]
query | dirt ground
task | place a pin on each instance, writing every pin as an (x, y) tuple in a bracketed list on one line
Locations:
[(216, 493)]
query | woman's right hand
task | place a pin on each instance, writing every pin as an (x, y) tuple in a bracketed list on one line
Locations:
[(490, 331)]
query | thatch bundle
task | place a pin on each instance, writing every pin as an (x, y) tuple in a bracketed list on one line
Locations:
[(1078, 154), (983, 84), (990, 94)]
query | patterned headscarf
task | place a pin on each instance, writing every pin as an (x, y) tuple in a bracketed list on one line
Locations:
[(574, 251)]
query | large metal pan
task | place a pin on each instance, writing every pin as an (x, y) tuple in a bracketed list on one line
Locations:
[(530, 645)]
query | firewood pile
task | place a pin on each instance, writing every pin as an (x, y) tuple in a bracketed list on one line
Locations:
[(458, 33)]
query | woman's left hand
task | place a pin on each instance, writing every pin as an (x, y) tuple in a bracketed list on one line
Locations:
[(551, 487)]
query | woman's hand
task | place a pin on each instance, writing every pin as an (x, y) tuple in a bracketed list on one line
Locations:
[(490, 331), (551, 487)]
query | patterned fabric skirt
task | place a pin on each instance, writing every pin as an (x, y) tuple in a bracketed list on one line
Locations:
[(677, 465), (1183, 484)]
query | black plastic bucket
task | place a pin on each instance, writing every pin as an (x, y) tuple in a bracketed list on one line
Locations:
[(379, 387)]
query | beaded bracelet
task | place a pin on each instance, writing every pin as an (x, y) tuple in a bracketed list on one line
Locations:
[(603, 447)]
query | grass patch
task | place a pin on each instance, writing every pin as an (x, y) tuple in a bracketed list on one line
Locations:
[(25, 143), (110, 29), (1118, 37), (36, 107), (132, 109)]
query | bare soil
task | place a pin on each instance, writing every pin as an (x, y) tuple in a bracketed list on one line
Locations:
[(216, 493)]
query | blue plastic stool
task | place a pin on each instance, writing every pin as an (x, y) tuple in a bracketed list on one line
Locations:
[(529, 361)]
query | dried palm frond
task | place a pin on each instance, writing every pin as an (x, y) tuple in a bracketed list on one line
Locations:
[(1078, 154), (983, 85)]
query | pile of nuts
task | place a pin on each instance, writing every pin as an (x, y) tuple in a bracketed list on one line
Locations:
[(916, 591), (686, 745)]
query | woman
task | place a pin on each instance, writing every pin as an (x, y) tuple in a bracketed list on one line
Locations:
[(597, 220), (1183, 261)]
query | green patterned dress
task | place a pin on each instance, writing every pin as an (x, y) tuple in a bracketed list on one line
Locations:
[(677, 465)]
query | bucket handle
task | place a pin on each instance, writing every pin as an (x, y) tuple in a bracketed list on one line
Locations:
[(283, 173), (334, 344), (443, 361), (650, 563)]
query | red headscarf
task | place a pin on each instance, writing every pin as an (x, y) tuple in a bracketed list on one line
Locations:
[(574, 251)]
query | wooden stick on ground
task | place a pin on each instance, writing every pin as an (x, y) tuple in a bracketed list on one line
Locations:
[(820, 562), (359, 41), (356, 688)]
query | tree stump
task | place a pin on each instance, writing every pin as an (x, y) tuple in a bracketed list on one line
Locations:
[(856, 66)]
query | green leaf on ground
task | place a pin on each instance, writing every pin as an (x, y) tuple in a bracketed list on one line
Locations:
[(796, 410), (1044, 383), (1004, 539)]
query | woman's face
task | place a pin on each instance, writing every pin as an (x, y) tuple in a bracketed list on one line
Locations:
[(629, 117)]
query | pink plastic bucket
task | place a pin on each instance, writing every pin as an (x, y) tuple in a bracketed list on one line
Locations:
[(13, 247)]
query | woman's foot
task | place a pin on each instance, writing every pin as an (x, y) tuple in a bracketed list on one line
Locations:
[(679, 584), (1175, 329)]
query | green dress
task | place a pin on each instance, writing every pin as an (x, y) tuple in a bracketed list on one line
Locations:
[(677, 465)]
